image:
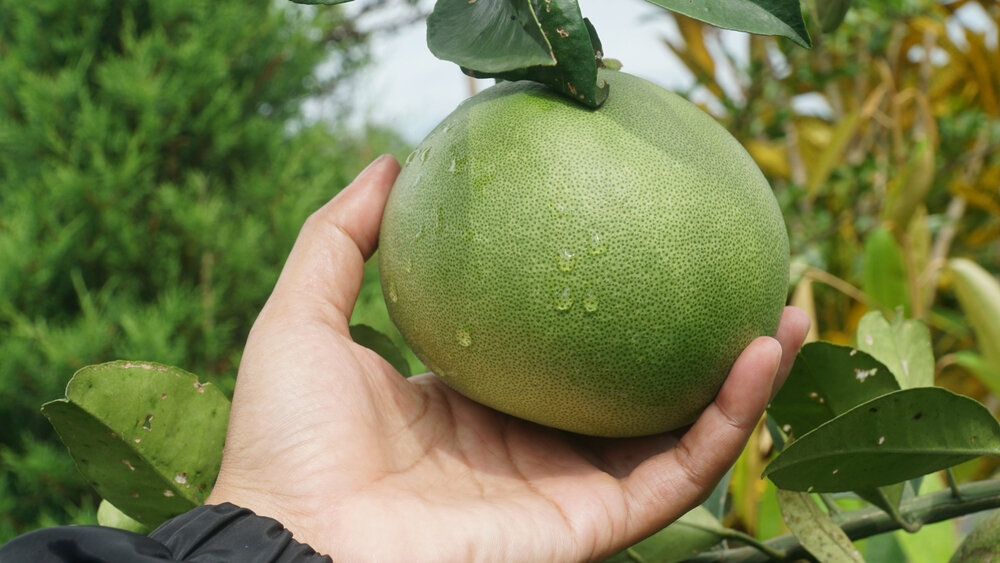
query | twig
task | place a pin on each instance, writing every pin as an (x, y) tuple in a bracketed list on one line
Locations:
[(866, 522)]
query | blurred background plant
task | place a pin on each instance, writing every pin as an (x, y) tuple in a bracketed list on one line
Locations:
[(883, 145), (155, 167)]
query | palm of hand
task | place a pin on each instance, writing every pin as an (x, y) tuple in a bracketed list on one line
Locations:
[(361, 464)]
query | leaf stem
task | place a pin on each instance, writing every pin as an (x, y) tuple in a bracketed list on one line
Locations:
[(866, 522), (761, 547), (831, 505)]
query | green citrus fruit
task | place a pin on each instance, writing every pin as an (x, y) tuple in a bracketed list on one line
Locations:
[(597, 271)]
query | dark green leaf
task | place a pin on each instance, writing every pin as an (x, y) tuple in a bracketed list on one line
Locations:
[(827, 380), (887, 498), (148, 437), (381, 345), (817, 532), (903, 346), (488, 37), (884, 278), (832, 13), (892, 438), (764, 17), (548, 42)]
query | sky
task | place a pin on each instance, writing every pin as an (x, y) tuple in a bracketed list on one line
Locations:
[(412, 91)]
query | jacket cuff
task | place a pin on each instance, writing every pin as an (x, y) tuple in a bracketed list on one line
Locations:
[(226, 532)]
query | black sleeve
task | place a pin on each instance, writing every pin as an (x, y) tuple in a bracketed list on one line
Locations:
[(207, 534)]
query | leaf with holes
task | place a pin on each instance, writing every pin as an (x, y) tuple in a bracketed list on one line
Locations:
[(827, 380), (892, 438), (147, 437)]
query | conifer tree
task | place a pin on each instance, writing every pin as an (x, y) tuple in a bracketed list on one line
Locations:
[(154, 170)]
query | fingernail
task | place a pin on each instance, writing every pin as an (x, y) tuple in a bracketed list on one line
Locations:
[(371, 165)]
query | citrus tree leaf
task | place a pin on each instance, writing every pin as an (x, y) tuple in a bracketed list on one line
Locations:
[(817, 532), (827, 380), (489, 37), (546, 41), (831, 14), (884, 277), (982, 543), (887, 498), (904, 346), (764, 17), (978, 293), (692, 533), (892, 438), (381, 345), (108, 515), (148, 437)]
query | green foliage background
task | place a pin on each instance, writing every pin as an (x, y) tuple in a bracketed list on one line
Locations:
[(155, 168)]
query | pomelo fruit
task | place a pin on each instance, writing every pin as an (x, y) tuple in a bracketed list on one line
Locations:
[(597, 271)]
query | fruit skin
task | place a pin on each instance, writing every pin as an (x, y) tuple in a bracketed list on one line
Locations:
[(597, 271)]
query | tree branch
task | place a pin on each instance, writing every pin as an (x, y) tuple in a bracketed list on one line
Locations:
[(866, 522)]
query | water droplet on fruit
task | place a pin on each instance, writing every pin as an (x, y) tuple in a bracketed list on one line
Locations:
[(409, 265), (420, 233), (590, 301), (463, 337), (424, 153), (451, 168), (564, 299), (558, 209), (597, 245), (446, 127), (393, 295), (566, 260), (440, 220), (410, 157)]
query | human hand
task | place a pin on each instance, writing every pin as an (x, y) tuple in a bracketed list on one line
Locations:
[(363, 464)]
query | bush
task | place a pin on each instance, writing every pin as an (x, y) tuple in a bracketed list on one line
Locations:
[(154, 170)]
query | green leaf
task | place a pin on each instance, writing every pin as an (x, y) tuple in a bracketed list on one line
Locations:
[(109, 515), (325, 2), (978, 293), (884, 278), (381, 345), (694, 532), (764, 17), (903, 346), (982, 543), (148, 437), (831, 13), (980, 368), (548, 42), (488, 37), (895, 437), (827, 380), (815, 529), (887, 498)]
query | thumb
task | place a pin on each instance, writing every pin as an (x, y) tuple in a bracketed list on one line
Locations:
[(323, 273)]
